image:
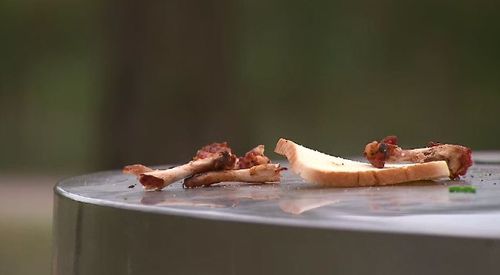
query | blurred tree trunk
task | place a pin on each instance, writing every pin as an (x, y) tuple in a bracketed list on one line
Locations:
[(167, 81)]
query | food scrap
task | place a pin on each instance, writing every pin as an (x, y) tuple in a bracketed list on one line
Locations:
[(331, 171), (458, 158), (462, 189), (212, 164), (255, 174)]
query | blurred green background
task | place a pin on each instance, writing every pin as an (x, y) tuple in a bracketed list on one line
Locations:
[(93, 85)]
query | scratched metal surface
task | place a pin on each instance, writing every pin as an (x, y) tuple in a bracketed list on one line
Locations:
[(426, 208)]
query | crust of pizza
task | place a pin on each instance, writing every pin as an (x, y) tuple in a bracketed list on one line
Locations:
[(322, 169)]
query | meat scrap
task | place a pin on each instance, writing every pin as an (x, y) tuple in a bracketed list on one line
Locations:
[(253, 157), (136, 169), (263, 173), (159, 179), (215, 158), (458, 158), (214, 149)]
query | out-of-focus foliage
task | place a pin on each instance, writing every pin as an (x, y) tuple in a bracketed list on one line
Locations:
[(88, 85), (49, 93), (93, 85)]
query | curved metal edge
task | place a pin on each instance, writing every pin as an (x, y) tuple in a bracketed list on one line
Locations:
[(274, 221), (200, 214)]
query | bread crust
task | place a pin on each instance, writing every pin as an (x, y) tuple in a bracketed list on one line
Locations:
[(326, 172)]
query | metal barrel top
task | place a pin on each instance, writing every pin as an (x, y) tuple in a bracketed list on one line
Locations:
[(105, 223)]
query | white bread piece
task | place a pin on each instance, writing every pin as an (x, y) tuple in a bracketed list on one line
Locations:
[(316, 167)]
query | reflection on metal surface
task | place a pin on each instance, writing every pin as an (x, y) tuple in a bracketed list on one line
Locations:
[(226, 195), (299, 206), (232, 195)]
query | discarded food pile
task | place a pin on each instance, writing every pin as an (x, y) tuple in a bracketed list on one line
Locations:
[(458, 157), (388, 164), (212, 164), (435, 162)]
